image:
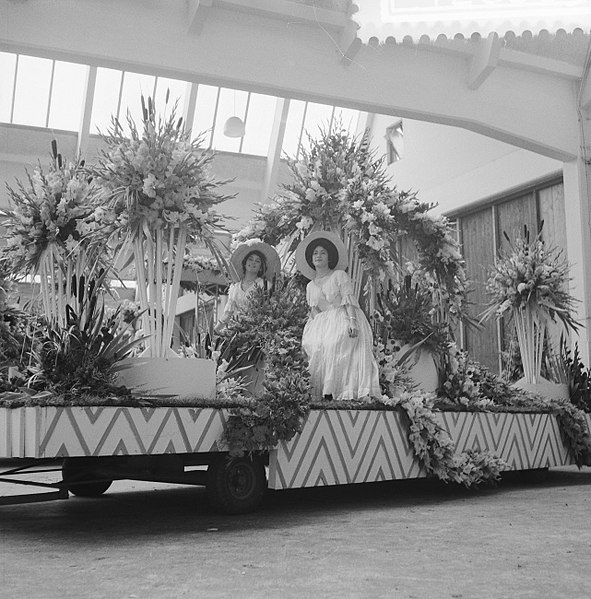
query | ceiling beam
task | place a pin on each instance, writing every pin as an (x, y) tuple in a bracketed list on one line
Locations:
[(285, 58), (198, 13), (302, 13), (484, 60), (275, 148)]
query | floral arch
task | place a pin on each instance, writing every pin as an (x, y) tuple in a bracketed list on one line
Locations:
[(340, 185)]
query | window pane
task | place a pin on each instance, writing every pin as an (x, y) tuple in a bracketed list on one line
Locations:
[(7, 67), (259, 124), (106, 96), (134, 86), (178, 90), (232, 103), (317, 118), (67, 97), (204, 113), (293, 128), (32, 91)]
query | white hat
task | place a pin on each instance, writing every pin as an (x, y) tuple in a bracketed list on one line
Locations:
[(306, 247), (273, 263)]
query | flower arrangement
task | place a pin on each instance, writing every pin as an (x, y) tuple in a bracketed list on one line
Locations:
[(339, 184), (162, 194), (405, 313), (529, 284), (468, 385), (53, 231)]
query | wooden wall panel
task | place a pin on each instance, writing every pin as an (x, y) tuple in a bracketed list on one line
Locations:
[(477, 234), (551, 211), (512, 216)]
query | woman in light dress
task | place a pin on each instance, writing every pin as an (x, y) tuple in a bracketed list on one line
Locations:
[(252, 263), (337, 337)]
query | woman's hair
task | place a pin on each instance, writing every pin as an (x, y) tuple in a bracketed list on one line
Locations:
[(329, 246), (262, 269)]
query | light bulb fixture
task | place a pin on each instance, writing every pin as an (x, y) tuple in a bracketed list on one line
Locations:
[(234, 127)]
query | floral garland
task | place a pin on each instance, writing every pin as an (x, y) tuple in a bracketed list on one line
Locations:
[(435, 449), (199, 264), (340, 184)]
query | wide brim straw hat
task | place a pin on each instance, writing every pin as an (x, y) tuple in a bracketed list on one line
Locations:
[(305, 266), (268, 251)]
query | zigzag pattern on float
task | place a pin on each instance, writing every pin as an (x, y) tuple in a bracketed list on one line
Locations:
[(96, 431), (339, 447), (349, 446), (523, 440)]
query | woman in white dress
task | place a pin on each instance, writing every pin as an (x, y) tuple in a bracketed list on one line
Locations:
[(337, 337), (252, 263)]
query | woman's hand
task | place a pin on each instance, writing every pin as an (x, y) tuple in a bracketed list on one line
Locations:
[(353, 327)]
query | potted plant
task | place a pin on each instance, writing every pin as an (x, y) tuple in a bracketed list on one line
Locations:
[(529, 285), (406, 315)]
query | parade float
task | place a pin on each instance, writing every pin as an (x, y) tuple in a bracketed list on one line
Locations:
[(64, 400)]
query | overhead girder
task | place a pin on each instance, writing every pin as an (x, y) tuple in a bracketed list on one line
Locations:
[(484, 90)]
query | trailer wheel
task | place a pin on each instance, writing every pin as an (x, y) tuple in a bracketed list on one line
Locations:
[(236, 485), (81, 478)]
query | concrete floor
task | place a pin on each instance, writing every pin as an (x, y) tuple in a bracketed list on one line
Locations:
[(411, 539)]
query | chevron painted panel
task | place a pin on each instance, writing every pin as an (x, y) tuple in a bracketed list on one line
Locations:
[(522, 440), (339, 447), (99, 431)]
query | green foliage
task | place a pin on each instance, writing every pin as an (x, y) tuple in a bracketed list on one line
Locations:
[(271, 329), (578, 377), (406, 315), (12, 326), (79, 357), (467, 382)]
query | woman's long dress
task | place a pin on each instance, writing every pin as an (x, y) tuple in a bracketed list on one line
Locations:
[(238, 298), (340, 365), (237, 302)]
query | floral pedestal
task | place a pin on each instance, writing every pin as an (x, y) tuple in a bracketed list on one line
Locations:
[(421, 368), (183, 378)]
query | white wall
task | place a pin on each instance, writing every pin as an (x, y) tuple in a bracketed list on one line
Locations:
[(454, 167)]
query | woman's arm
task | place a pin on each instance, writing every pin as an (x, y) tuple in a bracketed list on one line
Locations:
[(348, 302)]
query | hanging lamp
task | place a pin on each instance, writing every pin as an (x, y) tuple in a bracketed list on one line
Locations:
[(234, 127)]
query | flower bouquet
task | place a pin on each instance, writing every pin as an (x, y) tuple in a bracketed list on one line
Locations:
[(529, 284), (53, 233), (159, 188)]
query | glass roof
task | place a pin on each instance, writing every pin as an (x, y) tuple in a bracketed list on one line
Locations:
[(52, 94)]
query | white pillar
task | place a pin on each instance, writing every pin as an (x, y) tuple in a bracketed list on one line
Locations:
[(577, 191)]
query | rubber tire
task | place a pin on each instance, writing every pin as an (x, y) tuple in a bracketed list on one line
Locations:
[(76, 471), (236, 485)]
